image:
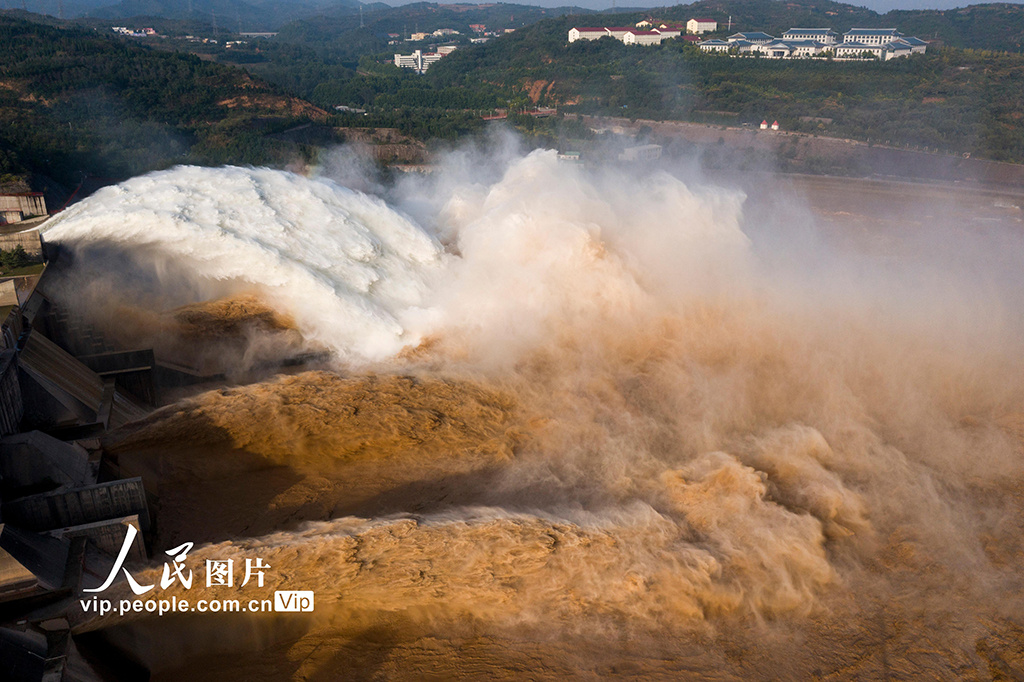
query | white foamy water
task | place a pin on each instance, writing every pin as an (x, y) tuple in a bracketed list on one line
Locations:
[(343, 264), (363, 279)]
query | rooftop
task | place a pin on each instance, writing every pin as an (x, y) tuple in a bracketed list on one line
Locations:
[(855, 45), (755, 35), (872, 31)]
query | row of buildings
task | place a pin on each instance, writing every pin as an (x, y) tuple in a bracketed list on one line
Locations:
[(439, 33), (693, 26), (646, 32), (627, 34), (478, 29), (857, 43), (133, 32)]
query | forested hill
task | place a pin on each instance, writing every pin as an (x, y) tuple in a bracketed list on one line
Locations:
[(998, 26), (987, 27), (991, 26), (949, 100), (74, 102)]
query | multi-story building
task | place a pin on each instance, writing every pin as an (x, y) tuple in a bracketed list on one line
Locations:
[(638, 37), (756, 38), (697, 26), (901, 47), (882, 43), (716, 46), (785, 49), (418, 61), (618, 32), (587, 33), (821, 35), (871, 36)]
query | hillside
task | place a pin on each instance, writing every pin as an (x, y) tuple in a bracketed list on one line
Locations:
[(950, 100), (73, 102), (83, 100), (960, 101), (990, 26), (240, 15)]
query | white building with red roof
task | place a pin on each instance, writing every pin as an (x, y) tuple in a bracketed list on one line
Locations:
[(587, 33), (638, 37), (618, 32), (702, 25)]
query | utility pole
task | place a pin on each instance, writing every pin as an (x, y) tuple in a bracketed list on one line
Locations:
[(730, 22), (214, 14), (60, 9)]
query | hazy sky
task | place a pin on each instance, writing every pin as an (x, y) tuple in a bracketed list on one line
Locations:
[(876, 5)]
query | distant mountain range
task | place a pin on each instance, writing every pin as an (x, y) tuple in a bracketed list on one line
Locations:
[(252, 14)]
